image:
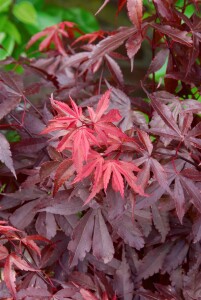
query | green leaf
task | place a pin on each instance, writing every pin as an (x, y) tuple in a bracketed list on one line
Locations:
[(2, 187), (189, 11), (12, 30), (4, 5), (7, 44), (12, 136), (86, 21), (2, 23), (25, 12), (46, 20)]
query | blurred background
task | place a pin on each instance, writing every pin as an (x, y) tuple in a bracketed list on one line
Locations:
[(20, 19)]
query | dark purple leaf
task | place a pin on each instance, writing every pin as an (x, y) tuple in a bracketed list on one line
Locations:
[(177, 35), (64, 206), (109, 44), (123, 284), (103, 248), (115, 203), (46, 225), (176, 256), (23, 216), (144, 219), (158, 61), (82, 238), (5, 154), (30, 291), (193, 191), (197, 230), (133, 45), (33, 89), (8, 101), (115, 69), (161, 221), (128, 231), (153, 261), (165, 114), (179, 199), (47, 168)]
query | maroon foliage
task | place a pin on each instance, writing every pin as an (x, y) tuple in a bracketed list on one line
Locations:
[(101, 191)]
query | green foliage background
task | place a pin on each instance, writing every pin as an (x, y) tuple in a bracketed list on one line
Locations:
[(22, 18)]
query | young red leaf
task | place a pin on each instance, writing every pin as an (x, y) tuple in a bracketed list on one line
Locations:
[(87, 295), (29, 242), (3, 252), (115, 169), (53, 35), (6, 229), (9, 273), (91, 37)]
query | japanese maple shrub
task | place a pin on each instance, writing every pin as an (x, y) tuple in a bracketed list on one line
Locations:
[(100, 177)]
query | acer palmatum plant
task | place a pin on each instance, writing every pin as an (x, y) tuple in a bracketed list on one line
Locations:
[(100, 185)]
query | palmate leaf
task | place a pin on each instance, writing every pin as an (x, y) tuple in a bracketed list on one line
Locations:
[(9, 273), (165, 114), (109, 44), (92, 234), (53, 35), (104, 170)]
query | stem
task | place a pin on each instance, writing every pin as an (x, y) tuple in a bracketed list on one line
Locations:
[(21, 125), (153, 55), (178, 156)]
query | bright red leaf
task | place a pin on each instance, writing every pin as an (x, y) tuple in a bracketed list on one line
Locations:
[(53, 35)]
